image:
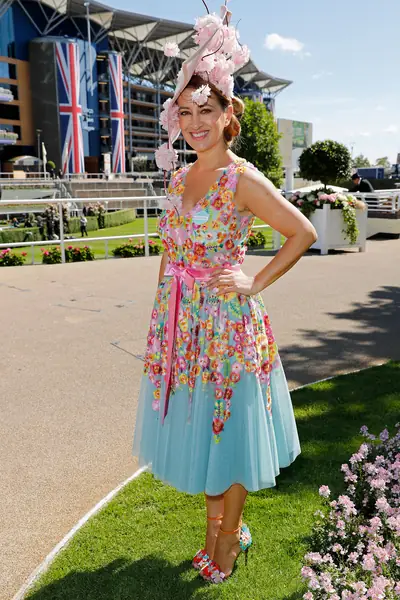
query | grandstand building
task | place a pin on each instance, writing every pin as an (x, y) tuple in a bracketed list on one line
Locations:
[(88, 81)]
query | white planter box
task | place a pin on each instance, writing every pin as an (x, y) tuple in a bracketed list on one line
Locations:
[(329, 225)]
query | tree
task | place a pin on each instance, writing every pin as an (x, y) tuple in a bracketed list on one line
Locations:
[(260, 141), (383, 162), (361, 161), (327, 161)]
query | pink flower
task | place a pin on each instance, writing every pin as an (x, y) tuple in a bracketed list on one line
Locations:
[(241, 57), (384, 435), (378, 484), (23, 253), (308, 596), (382, 505), (200, 96), (226, 85), (206, 27), (206, 64), (324, 491), (307, 572), (171, 49), (368, 563), (166, 158), (169, 116)]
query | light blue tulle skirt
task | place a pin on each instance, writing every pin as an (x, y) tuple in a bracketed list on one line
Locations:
[(254, 446)]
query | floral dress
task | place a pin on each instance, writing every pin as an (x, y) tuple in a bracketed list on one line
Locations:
[(225, 416)]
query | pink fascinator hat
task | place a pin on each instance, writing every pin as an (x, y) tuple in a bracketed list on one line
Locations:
[(218, 55)]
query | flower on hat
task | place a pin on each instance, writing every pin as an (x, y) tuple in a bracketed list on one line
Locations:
[(171, 49), (206, 27), (226, 85), (241, 56), (166, 158), (169, 115), (206, 64), (200, 95)]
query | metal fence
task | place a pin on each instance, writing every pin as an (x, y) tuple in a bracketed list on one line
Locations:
[(382, 201), (141, 202)]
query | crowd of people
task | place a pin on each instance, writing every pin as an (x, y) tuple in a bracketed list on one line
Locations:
[(48, 222)]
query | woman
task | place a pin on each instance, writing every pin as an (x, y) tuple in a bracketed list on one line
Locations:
[(214, 412)]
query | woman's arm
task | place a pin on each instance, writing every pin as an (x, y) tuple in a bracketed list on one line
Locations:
[(163, 264), (258, 195)]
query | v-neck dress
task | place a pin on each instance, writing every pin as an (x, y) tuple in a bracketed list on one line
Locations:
[(230, 417)]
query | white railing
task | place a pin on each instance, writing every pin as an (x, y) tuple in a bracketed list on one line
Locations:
[(384, 201), (142, 202)]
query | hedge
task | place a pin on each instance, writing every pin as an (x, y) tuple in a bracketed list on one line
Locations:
[(120, 217)]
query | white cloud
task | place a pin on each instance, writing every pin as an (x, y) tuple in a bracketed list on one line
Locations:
[(274, 41), (365, 133), (321, 74), (391, 129), (380, 108)]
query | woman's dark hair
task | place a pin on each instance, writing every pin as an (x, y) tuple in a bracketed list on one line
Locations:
[(232, 130)]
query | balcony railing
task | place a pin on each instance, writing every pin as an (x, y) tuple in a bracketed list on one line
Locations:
[(8, 137), (5, 95)]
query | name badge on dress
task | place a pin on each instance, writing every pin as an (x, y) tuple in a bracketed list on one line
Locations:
[(201, 217)]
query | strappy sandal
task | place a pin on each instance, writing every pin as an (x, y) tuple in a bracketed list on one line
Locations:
[(211, 571), (201, 558)]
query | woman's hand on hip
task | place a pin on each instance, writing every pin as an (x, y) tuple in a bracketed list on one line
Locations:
[(225, 281)]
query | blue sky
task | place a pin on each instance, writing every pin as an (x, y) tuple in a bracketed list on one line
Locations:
[(343, 58)]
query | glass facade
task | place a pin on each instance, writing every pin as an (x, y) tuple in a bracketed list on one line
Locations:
[(7, 38), (8, 71)]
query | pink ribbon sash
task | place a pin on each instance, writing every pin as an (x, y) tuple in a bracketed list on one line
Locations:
[(187, 275)]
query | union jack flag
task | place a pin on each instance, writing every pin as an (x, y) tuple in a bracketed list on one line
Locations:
[(117, 113), (68, 76)]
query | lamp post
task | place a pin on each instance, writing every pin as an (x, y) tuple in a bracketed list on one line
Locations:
[(38, 132)]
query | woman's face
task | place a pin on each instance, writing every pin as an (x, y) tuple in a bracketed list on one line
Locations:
[(202, 126)]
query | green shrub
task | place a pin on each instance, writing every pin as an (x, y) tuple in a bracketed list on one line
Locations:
[(17, 234), (9, 259), (78, 254), (256, 239), (75, 226), (129, 249), (51, 256), (120, 217)]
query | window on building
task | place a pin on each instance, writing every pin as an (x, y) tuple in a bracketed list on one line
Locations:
[(8, 71), (11, 128), (9, 111), (7, 38), (13, 88)]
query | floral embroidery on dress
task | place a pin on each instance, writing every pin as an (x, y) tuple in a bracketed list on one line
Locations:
[(219, 339)]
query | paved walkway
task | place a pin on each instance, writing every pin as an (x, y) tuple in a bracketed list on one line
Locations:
[(72, 337)]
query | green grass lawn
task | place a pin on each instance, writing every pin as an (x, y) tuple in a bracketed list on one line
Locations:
[(135, 227), (140, 546)]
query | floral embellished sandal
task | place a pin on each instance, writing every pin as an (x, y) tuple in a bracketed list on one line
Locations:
[(211, 571), (201, 559)]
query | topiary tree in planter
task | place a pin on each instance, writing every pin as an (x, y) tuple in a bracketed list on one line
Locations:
[(327, 161)]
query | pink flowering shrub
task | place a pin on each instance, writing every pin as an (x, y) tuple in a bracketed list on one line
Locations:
[(355, 544), (129, 249), (78, 254), (51, 256), (8, 258)]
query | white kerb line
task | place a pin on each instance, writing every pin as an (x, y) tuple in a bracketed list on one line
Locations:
[(42, 568)]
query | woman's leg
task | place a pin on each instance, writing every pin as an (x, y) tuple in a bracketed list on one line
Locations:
[(215, 508), (227, 547)]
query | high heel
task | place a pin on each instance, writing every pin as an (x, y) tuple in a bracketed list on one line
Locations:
[(201, 558), (212, 572)]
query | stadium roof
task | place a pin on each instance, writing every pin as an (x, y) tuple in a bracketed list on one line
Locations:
[(141, 40)]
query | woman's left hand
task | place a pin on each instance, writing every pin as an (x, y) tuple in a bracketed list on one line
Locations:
[(225, 281)]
